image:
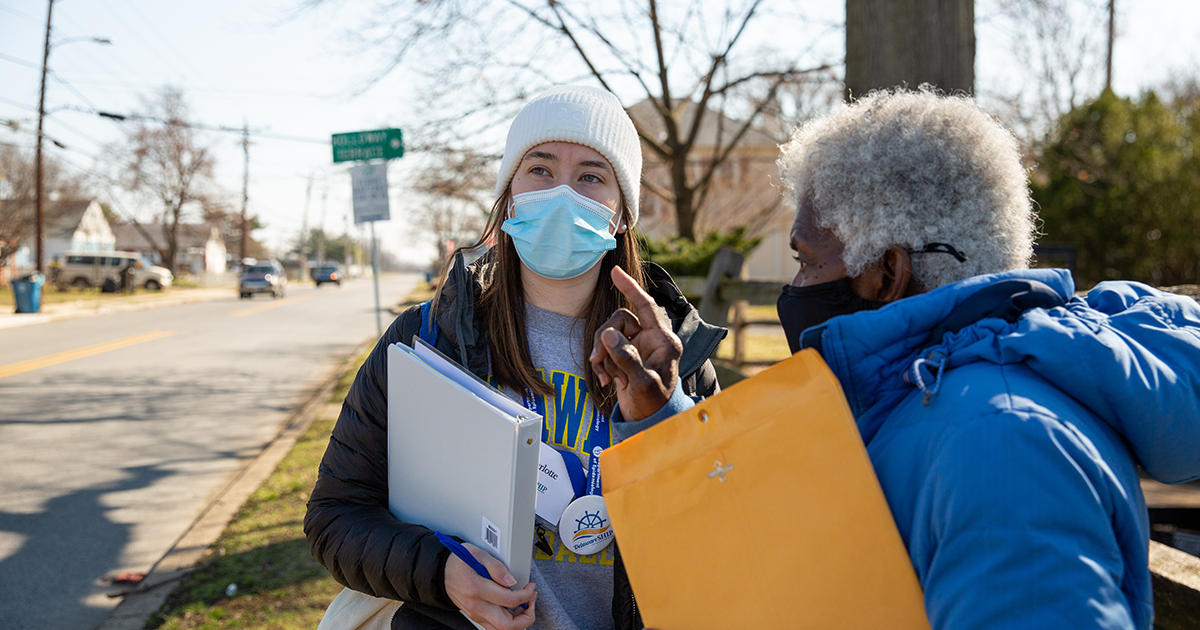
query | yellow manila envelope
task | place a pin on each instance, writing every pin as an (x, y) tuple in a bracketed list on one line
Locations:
[(759, 508)]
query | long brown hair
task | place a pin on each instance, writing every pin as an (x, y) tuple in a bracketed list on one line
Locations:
[(501, 307)]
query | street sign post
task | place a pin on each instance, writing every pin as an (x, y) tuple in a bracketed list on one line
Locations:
[(380, 144), (368, 183), (369, 188)]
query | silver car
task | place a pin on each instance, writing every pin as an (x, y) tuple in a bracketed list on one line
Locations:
[(90, 269), (263, 277)]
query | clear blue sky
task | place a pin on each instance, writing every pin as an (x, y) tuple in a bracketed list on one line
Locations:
[(239, 61)]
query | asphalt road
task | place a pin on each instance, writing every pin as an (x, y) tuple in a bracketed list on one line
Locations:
[(116, 430)]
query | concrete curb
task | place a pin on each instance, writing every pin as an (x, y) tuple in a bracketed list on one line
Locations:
[(148, 597), (59, 312)]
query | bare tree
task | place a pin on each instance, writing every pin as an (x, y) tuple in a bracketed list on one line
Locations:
[(1059, 48), (222, 211), (454, 190), (483, 58), (166, 162), (17, 185)]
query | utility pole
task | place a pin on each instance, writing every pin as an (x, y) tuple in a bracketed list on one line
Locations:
[(1112, 36), (245, 191), (351, 244), (39, 195), (321, 233), (304, 230), (375, 277)]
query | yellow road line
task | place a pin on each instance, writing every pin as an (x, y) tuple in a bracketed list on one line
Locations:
[(268, 306), (20, 367)]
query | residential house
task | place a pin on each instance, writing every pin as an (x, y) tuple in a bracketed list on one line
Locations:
[(201, 250), (745, 189), (70, 225)]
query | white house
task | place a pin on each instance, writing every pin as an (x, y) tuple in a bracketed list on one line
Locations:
[(76, 225), (201, 250), (79, 226)]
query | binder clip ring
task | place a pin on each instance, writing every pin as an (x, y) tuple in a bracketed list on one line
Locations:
[(720, 471)]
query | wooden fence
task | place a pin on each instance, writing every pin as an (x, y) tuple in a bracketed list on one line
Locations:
[(724, 293)]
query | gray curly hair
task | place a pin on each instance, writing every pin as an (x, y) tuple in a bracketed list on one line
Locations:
[(911, 168)]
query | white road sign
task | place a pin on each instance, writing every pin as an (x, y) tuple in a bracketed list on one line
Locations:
[(370, 189)]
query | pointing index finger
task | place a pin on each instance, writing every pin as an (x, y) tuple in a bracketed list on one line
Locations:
[(640, 302)]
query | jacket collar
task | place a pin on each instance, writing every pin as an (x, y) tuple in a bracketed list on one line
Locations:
[(870, 352)]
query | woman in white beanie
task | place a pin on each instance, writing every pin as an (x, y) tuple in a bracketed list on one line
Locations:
[(523, 317)]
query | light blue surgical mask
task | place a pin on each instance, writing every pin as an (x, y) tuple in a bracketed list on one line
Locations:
[(559, 233)]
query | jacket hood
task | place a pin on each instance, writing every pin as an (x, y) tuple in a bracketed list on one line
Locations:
[(1126, 351)]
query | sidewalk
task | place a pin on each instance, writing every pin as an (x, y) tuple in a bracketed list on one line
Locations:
[(92, 305)]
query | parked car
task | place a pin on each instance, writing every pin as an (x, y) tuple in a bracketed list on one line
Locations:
[(89, 269), (327, 272), (262, 277)]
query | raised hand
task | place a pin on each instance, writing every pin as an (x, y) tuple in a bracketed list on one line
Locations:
[(637, 352)]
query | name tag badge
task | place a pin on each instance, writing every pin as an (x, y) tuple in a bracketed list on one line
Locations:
[(585, 528), (554, 488)]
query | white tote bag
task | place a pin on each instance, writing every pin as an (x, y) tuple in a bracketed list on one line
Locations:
[(352, 610)]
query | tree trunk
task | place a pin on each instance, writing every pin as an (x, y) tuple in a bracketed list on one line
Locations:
[(171, 235), (685, 214), (172, 249), (909, 42)]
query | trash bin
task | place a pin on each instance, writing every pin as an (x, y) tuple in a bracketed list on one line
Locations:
[(27, 293)]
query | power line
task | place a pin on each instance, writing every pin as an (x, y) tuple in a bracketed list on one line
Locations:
[(158, 32), (106, 67), (280, 136), (19, 14), (226, 91), (70, 87), (260, 131), (181, 123), (107, 183), (20, 62), (79, 133), (18, 104)]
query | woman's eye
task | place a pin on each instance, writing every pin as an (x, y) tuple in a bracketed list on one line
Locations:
[(803, 263), (591, 179), (539, 170)]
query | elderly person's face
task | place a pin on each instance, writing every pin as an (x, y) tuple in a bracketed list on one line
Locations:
[(819, 252), (822, 290)]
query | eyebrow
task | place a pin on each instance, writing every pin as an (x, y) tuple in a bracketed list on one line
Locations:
[(550, 157), (596, 164)]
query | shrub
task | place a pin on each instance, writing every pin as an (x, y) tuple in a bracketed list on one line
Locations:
[(684, 257), (1120, 180)]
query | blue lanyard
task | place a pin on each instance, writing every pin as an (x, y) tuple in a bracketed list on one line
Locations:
[(599, 428)]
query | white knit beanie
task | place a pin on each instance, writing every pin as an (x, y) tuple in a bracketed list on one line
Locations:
[(583, 115)]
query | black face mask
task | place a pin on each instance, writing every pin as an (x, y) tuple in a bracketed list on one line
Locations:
[(804, 307)]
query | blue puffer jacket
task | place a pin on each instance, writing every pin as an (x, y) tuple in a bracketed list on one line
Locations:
[(1007, 439)]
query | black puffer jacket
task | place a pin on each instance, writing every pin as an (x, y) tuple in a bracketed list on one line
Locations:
[(348, 526)]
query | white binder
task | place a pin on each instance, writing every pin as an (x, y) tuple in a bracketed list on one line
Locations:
[(462, 458)]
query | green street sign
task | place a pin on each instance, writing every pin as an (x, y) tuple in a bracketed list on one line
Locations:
[(381, 144)]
